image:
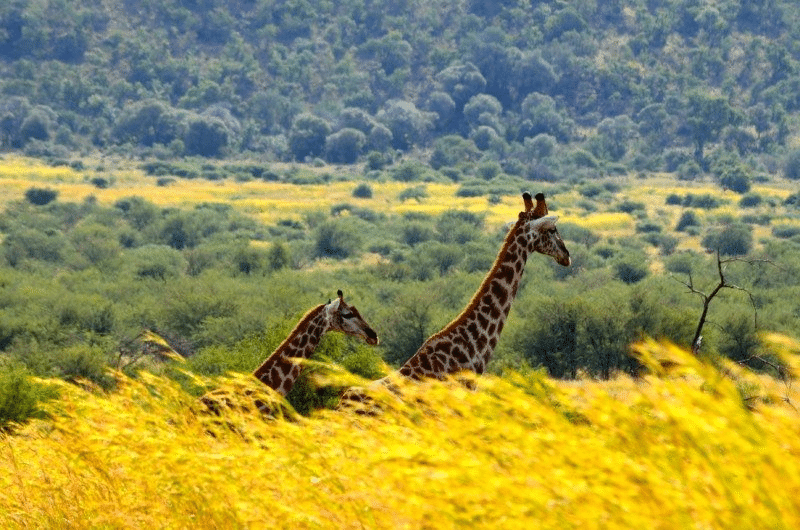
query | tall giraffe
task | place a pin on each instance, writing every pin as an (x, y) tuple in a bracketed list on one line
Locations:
[(280, 371), (467, 343)]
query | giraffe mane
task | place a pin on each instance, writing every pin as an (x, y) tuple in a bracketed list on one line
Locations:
[(311, 313), (501, 256)]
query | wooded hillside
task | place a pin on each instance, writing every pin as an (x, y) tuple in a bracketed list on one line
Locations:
[(544, 89)]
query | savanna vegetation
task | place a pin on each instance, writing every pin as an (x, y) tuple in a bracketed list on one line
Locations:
[(181, 181)]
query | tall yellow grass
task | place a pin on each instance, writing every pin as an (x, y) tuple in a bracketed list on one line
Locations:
[(690, 446)]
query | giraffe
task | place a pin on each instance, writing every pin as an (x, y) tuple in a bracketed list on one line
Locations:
[(467, 343), (279, 371)]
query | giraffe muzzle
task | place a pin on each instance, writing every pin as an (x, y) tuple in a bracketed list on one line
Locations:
[(371, 337)]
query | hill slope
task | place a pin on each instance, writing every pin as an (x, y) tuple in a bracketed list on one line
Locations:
[(545, 88)]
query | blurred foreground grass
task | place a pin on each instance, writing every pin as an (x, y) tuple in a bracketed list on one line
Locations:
[(688, 446)]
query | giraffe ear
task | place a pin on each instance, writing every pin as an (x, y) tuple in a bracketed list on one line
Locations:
[(541, 206), (546, 222)]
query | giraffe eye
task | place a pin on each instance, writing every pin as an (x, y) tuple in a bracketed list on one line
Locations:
[(347, 314)]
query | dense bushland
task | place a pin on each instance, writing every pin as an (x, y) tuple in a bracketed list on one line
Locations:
[(80, 282), (543, 90)]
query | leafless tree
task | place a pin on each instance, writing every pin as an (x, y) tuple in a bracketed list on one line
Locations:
[(707, 298)]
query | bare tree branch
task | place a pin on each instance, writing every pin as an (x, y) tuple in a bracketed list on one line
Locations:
[(707, 298)]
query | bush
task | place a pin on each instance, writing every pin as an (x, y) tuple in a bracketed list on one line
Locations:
[(416, 232), (732, 240), (785, 231), (579, 234), (732, 174), (452, 150), (681, 263), (83, 363), (415, 192), (791, 168), (206, 137), (363, 191), (278, 256), (40, 196), (409, 172), (690, 170), (31, 243), (631, 268), (751, 200), (36, 126), (706, 201), (648, 227), (345, 146), (459, 226), (488, 170), (158, 262), (20, 397), (674, 199), (337, 239), (307, 136), (687, 219), (628, 206)]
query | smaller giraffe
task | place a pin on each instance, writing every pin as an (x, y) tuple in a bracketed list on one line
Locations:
[(279, 371)]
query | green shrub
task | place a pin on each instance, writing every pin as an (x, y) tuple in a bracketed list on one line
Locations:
[(158, 262), (631, 268), (459, 226), (750, 200), (735, 239), (628, 206), (82, 363), (243, 356), (706, 201), (363, 191), (674, 199), (590, 190), (687, 219), (415, 192), (681, 263), (579, 234), (409, 172), (337, 239), (785, 231), (32, 243), (345, 145), (415, 232), (791, 168), (648, 227), (472, 189), (20, 397), (40, 196)]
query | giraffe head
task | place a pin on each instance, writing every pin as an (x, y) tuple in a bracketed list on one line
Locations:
[(541, 231), (346, 318)]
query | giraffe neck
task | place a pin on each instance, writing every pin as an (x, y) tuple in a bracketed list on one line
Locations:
[(467, 343), (279, 371)]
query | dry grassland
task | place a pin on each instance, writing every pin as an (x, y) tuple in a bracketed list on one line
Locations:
[(689, 446)]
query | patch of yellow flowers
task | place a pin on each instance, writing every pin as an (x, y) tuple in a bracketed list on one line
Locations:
[(691, 445)]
